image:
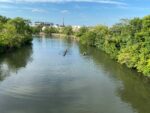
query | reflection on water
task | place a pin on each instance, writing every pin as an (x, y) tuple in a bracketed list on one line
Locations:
[(15, 60), (135, 91), (52, 83)]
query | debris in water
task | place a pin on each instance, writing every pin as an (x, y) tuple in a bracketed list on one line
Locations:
[(65, 52), (85, 53)]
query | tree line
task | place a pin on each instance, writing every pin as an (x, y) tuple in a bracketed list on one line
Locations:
[(14, 33), (128, 42), (49, 30)]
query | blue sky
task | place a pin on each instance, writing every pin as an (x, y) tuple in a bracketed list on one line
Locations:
[(75, 12)]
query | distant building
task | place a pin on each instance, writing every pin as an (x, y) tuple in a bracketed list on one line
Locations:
[(59, 26), (44, 23), (56, 25), (76, 28)]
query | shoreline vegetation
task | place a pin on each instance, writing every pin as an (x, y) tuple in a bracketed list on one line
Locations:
[(14, 33), (128, 42)]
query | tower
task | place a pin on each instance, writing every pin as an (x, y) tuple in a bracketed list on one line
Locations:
[(63, 22)]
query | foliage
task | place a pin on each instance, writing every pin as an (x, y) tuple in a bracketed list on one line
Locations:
[(36, 29), (14, 33), (50, 30), (128, 42), (81, 31), (67, 30), (88, 38)]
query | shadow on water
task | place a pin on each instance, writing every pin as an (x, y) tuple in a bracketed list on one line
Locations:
[(134, 91), (13, 61)]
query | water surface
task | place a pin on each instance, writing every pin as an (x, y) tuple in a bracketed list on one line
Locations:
[(39, 79)]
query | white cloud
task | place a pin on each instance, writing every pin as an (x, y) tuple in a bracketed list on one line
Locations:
[(64, 11), (39, 11), (115, 2)]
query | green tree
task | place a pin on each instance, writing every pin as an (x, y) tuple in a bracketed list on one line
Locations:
[(67, 30), (128, 42), (81, 31), (14, 33)]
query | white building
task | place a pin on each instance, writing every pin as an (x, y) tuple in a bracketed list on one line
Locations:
[(43, 28), (76, 28)]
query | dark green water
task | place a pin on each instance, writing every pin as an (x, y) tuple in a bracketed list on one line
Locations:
[(39, 79)]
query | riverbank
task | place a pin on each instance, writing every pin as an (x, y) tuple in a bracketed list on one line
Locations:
[(63, 35), (59, 35), (127, 42), (14, 33), (7, 48), (132, 52)]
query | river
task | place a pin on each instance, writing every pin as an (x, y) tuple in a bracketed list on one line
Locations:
[(38, 79)]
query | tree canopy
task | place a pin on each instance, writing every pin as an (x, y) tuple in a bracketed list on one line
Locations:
[(127, 41), (14, 33)]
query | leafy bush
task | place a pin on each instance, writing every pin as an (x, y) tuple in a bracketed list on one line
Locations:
[(128, 42), (14, 33)]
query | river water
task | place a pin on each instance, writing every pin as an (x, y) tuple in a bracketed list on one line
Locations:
[(38, 79)]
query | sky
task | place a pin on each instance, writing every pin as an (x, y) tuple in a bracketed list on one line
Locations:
[(75, 12)]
